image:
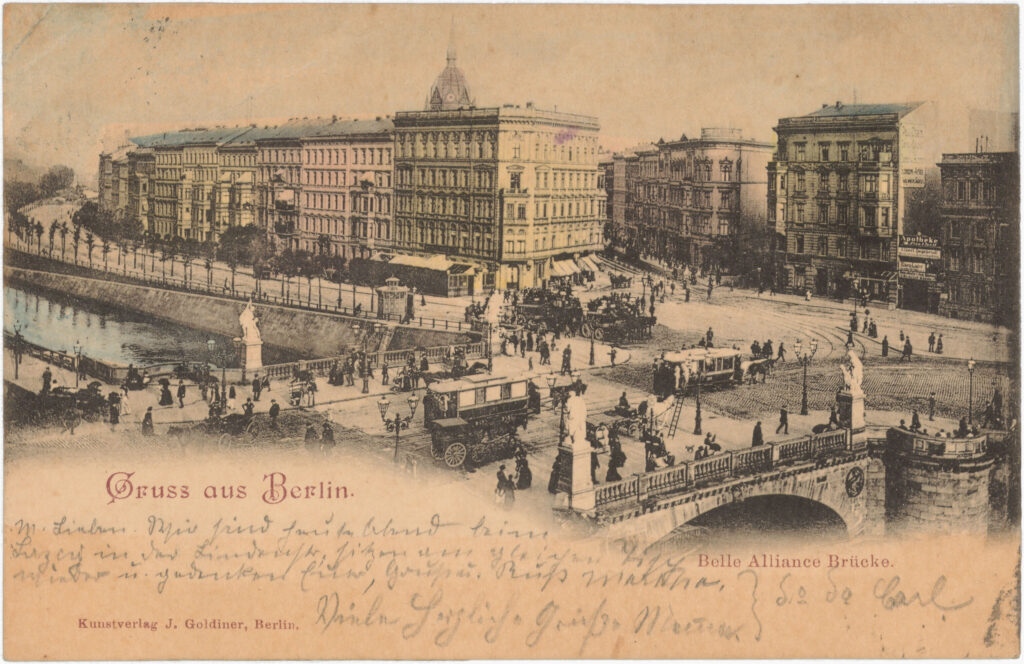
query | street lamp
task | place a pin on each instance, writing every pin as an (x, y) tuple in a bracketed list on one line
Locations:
[(17, 348), (399, 422), (699, 372), (804, 355), (77, 348), (970, 394)]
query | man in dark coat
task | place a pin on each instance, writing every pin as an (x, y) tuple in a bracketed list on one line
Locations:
[(181, 394), (885, 346), (275, 410), (257, 387), (783, 421), (758, 438)]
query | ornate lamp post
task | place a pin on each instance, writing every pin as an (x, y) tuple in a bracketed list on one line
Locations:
[(697, 371), (77, 348), (397, 423), (551, 380), (17, 348), (804, 355), (970, 394)]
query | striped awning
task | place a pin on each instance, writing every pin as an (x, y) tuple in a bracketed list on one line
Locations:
[(565, 268), (588, 263)]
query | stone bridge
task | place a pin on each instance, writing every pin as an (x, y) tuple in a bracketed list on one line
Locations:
[(834, 468), (877, 482)]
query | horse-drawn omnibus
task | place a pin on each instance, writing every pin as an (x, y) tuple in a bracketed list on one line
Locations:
[(472, 419), (679, 372)]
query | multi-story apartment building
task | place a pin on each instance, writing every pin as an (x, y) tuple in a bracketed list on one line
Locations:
[(696, 201), (980, 235), (141, 167), (837, 192), (346, 202), (510, 191), (234, 193), (324, 185), (182, 172)]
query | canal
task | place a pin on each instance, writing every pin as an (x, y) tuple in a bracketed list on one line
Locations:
[(55, 321)]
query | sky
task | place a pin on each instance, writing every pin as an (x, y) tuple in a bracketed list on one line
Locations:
[(78, 78)]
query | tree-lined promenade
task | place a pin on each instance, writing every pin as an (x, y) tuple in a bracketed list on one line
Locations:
[(244, 263)]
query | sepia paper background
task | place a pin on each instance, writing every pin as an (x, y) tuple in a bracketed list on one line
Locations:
[(402, 568)]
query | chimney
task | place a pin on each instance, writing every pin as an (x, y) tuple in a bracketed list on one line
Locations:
[(839, 105)]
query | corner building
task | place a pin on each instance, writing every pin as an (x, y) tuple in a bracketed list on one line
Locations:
[(511, 191), (837, 193), (981, 236)]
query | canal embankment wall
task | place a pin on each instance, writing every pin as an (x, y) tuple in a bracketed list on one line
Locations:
[(315, 334)]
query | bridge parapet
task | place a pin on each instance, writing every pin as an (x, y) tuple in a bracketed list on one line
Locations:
[(922, 444), (720, 468)]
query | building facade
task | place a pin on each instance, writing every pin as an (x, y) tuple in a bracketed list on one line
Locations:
[(695, 201), (980, 236), (837, 194), (512, 192)]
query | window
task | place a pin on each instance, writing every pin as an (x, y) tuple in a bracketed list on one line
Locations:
[(799, 214), (515, 181), (823, 213), (843, 214), (869, 184), (867, 217), (521, 212), (515, 152), (822, 181), (801, 153), (885, 217), (843, 182), (726, 167), (799, 244), (823, 149), (953, 260), (961, 190), (844, 152), (725, 200), (975, 189), (884, 182), (801, 181)]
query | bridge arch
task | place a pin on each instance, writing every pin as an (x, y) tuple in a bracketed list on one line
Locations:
[(774, 514)]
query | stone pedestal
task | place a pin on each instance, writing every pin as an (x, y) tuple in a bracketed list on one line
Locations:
[(253, 357), (851, 410)]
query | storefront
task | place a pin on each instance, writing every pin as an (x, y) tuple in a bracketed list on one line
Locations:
[(920, 261)]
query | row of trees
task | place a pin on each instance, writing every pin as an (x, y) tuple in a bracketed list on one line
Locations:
[(238, 247)]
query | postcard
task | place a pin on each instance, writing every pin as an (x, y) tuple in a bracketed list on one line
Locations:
[(511, 331)]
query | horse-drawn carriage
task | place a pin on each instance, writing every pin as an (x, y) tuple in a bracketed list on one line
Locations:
[(89, 401), (680, 372), (620, 281), (471, 420), (229, 430), (616, 320)]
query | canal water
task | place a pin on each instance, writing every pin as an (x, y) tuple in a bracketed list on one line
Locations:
[(56, 321)]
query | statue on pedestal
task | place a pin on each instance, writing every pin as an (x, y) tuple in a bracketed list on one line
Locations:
[(252, 340), (853, 374), (250, 325)]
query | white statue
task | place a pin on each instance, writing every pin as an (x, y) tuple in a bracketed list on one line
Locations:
[(853, 373), (576, 421), (250, 326)]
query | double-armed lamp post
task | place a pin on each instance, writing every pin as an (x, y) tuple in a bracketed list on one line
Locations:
[(804, 355), (398, 422)]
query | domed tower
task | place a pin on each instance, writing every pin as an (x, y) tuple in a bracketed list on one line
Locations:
[(449, 91)]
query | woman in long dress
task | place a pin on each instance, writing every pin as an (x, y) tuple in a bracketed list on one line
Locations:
[(231, 398), (125, 409)]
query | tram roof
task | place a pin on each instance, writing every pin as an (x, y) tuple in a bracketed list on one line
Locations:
[(472, 383), (700, 353)]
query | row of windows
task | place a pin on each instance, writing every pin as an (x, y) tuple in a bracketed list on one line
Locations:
[(360, 203), (335, 226), (698, 169), (823, 245), (336, 156), (976, 260), (685, 197), (969, 190), (458, 237), (864, 150), (868, 216), (561, 146), (558, 241), (238, 160)]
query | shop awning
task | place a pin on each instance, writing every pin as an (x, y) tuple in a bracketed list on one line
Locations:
[(564, 268), (588, 263), (435, 262)]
